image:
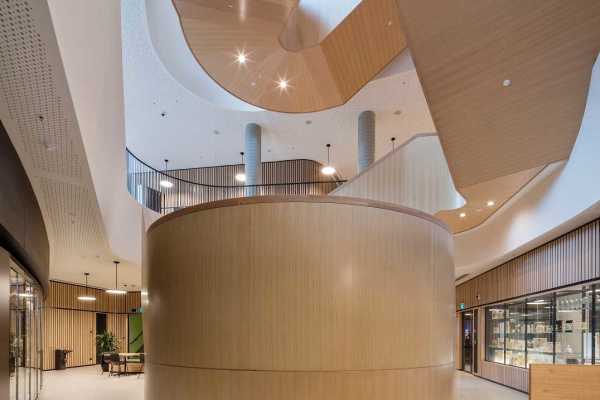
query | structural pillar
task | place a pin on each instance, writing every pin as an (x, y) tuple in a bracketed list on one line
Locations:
[(366, 140), (253, 168)]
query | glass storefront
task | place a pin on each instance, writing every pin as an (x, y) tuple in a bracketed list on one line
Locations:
[(561, 327), (25, 339)]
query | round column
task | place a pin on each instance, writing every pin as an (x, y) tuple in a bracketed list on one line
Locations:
[(319, 298), (253, 167), (366, 140)]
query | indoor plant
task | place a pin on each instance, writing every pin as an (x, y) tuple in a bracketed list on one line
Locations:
[(106, 343)]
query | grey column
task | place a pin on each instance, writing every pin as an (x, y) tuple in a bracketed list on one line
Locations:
[(253, 169), (366, 140)]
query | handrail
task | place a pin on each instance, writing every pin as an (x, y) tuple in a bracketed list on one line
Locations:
[(129, 153), (146, 185)]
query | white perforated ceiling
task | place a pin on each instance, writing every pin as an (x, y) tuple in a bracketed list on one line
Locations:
[(36, 109)]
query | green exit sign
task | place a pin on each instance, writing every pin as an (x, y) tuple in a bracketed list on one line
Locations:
[(461, 306)]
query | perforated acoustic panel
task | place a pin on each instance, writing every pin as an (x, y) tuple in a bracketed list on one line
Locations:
[(37, 110)]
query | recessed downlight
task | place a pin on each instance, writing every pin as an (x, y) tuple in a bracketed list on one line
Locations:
[(506, 82), (241, 58), (462, 215), (283, 84), (491, 203)]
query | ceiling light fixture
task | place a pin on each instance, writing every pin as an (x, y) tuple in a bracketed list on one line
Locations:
[(491, 203), (164, 182), (328, 169), (283, 84), (116, 290), (241, 177), (241, 57), (86, 297), (393, 140), (506, 82), (462, 215)]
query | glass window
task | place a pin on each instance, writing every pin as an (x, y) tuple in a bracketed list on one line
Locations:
[(540, 335), (571, 327), (25, 337), (494, 334), (596, 324), (515, 334)]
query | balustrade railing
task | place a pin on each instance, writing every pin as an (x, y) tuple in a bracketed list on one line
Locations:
[(165, 193)]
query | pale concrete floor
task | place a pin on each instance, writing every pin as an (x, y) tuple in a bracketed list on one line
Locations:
[(87, 383)]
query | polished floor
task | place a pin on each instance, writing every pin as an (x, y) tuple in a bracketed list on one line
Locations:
[(87, 383)]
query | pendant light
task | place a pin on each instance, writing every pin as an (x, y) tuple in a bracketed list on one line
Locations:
[(87, 296), (241, 177), (328, 169), (116, 290), (393, 140), (164, 182)]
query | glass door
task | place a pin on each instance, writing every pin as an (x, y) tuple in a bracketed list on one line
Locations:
[(468, 356)]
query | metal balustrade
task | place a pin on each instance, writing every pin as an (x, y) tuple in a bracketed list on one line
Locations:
[(164, 193)]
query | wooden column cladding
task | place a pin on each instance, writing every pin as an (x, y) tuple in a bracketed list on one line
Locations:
[(71, 324), (570, 259), (299, 297)]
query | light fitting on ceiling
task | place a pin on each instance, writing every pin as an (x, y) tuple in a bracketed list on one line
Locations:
[(462, 215), (116, 290), (241, 57), (86, 296), (491, 203), (328, 169), (283, 84), (506, 82), (241, 177), (164, 182)]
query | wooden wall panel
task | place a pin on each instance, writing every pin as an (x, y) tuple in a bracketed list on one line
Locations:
[(71, 324), (557, 382), (567, 260), (300, 297), (286, 171), (71, 330), (64, 295)]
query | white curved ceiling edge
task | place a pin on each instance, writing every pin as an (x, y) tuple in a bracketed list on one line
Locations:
[(88, 34), (177, 58), (186, 135), (561, 198)]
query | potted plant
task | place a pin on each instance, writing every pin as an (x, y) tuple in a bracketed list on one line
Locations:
[(106, 343)]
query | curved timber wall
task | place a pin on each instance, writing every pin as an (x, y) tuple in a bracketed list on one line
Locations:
[(299, 298)]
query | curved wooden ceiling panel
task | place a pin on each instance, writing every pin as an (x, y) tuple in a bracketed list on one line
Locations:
[(317, 77), (506, 81)]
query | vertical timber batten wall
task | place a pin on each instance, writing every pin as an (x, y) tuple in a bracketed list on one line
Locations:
[(570, 259), (71, 324), (271, 297)]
